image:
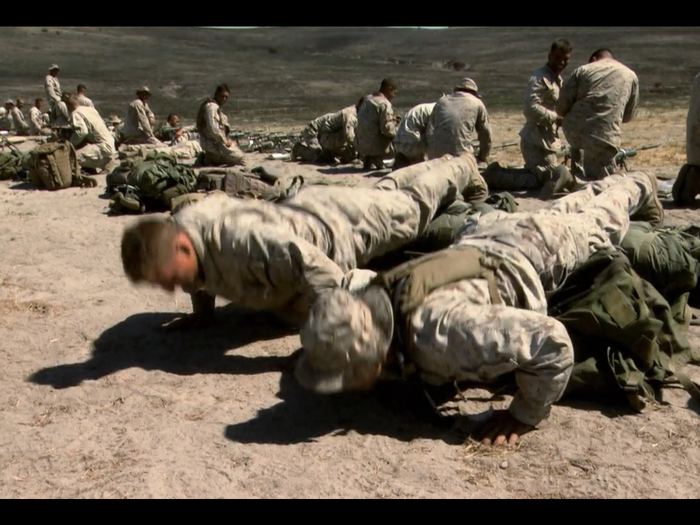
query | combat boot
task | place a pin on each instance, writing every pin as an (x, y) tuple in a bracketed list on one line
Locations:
[(562, 180), (651, 210)]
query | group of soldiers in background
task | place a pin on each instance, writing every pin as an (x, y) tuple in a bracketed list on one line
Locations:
[(590, 107)]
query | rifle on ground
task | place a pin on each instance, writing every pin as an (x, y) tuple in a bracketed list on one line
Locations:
[(505, 145), (625, 154), (258, 141)]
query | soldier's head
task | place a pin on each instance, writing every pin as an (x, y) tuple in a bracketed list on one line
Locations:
[(9, 104), (173, 120), (559, 55), (20, 103), (81, 89), (39, 103), (389, 88), (600, 54), (159, 252), (346, 340), (221, 94), (53, 70), (143, 93), (72, 103)]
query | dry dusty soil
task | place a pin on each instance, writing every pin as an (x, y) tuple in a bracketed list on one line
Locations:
[(96, 401)]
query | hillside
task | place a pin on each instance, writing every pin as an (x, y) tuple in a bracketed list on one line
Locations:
[(290, 75)]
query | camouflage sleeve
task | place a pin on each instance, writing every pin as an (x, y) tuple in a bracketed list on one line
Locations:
[(483, 128), (80, 129), (210, 113), (142, 117), (291, 263), (534, 111), (567, 95), (387, 124), (632, 103)]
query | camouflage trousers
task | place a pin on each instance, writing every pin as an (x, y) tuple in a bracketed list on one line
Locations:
[(413, 152), (141, 138), (216, 154), (436, 177), (594, 162), (96, 156), (459, 335), (183, 150), (538, 160)]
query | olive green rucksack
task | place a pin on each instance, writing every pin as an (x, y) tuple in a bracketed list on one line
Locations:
[(11, 165), (625, 338)]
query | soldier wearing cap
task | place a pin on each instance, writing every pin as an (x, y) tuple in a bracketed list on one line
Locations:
[(37, 123), (20, 125), (455, 120), (376, 125), (476, 311), (53, 91), (138, 124)]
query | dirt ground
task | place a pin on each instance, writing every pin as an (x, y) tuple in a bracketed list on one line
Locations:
[(97, 402)]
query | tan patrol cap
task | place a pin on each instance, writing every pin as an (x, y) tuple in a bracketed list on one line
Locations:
[(54, 66), (467, 84), (9, 101), (143, 89)]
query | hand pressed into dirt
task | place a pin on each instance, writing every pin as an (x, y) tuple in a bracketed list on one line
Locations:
[(502, 428), (188, 322)]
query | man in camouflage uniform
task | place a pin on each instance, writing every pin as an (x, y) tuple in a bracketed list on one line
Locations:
[(5, 119), (54, 94), (594, 102), (455, 120), (376, 125), (213, 127), (687, 184), (37, 123), (279, 256), (94, 143), (410, 142), (138, 124), (18, 121), (328, 137), (482, 328)]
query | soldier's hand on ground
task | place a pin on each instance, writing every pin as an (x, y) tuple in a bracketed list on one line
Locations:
[(188, 322), (502, 428)]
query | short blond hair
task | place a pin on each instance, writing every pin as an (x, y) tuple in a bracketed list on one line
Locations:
[(147, 246)]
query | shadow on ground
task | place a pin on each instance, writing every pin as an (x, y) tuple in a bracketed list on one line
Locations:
[(140, 342), (395, 410)]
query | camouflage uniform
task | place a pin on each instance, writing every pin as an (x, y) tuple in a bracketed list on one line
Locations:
[(137, 127), (84, 101), (594, 101), (376, 129), (213, 128), (21, 127), (331, 135), (53, 92), (475, 189), (410, 141), (455, 120), (5, 120), (539, 138), (36, 122), (458, 334), (100, 152), (278, 256), (692, 140)]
